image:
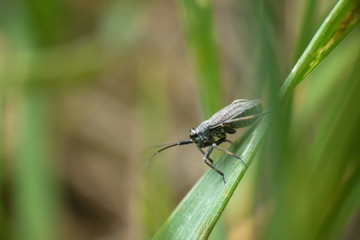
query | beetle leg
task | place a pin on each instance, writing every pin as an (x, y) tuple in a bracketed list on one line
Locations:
[(206, 157), (229, 153)]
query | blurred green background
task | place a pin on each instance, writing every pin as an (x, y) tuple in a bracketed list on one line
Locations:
[(86, 87)]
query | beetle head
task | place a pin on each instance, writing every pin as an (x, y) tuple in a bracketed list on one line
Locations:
[(198, 138), (194, 136)]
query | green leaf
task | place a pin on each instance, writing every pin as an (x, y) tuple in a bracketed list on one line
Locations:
[(36, 192), (341, 20), (198, 27)]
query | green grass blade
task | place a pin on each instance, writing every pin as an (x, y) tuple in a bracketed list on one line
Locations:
[(306, 28), (324, 81), (318, 201), (198, 28), (197, 214), (36, 191), (155, 196), (30, 26), (342, 19), (338, 154)]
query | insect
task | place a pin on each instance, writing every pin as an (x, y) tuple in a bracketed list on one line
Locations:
[(212, 132)]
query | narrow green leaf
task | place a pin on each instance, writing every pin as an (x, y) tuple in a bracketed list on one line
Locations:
[(342, 19), (153, 107), (340, 125), (198, 27), (306, 28), (36, 192)]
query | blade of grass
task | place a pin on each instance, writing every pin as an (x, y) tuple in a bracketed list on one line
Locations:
[(341, 20), (306, 27), (155, 192), (324, 82), (337, 157), (197, 214), (197, 22), (311, 201), (347, 205), (36, 192)]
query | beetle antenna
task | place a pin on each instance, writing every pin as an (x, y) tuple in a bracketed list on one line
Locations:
[(169, 145)]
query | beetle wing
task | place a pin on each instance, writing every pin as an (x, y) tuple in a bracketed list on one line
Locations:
[(241, 121), (236, 110)]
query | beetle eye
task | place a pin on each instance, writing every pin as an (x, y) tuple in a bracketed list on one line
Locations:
[(193, 134)]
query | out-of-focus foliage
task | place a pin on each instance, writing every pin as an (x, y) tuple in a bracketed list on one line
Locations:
[(86, 86)]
